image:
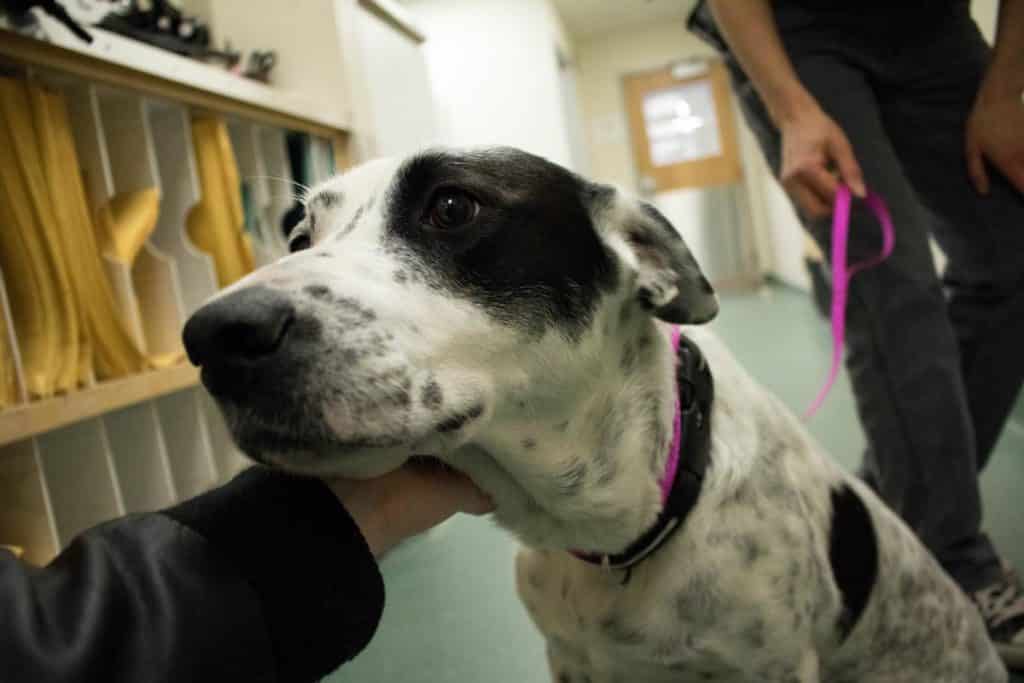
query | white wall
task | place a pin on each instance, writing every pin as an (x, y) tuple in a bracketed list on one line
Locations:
[(715, 225), (494, 69), (309, 53), (398, 113), (602, 61)]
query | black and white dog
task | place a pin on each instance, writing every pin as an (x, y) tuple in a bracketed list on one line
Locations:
[(513, 320)]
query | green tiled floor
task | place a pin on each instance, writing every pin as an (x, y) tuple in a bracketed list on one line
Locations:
[(452, 615)]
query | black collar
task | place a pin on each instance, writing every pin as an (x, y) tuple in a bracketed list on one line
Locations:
[(696, 394)]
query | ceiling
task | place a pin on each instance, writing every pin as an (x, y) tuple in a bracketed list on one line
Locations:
[(585, 18)]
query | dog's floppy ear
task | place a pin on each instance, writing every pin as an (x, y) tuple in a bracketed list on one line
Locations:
[(669, 282)]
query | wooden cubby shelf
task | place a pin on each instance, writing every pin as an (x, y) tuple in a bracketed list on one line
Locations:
[(37, 417)]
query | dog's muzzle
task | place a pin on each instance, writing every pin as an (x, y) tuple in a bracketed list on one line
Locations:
[(243, 340)]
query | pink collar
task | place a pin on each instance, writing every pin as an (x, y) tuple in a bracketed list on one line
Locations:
[(672, 465), (681, 482)]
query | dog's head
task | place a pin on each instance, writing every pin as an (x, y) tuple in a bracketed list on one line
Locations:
[(428, 300)]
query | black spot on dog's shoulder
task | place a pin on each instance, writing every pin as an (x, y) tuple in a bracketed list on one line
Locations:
[(400, 276), (529, 443), (853, 554), (323, 254), (319, 292), (431, 397)]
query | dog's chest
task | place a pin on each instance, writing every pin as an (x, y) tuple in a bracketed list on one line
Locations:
[(654, 628)]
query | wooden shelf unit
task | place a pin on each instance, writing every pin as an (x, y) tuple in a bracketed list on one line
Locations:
[(36, 417), (145, 441)]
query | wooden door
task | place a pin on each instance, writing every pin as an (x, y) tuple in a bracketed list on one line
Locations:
[(683, 128)]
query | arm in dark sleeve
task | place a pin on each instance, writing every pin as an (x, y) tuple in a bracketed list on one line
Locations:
[(264, 579)]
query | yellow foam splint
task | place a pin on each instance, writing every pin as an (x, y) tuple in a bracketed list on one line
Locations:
[(34, 269), (68, 326), (125, 223), (215, 224), (115, 352), (8, 372), (61, 233)]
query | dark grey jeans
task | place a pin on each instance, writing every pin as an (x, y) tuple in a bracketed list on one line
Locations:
[(936, 365)]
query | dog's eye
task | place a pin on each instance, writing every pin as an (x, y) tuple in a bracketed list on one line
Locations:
[(452, 209), (300, 242)]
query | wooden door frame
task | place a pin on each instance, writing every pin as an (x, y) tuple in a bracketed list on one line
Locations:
[(723, 169)]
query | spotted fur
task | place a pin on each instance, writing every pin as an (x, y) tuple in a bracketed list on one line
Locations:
[(528, 349)]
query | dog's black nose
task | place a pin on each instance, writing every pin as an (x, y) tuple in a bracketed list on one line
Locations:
[(243, 326)]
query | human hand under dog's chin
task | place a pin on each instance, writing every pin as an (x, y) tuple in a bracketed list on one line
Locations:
[(407, 501)]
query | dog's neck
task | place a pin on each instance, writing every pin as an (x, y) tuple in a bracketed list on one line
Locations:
[(581, 468)]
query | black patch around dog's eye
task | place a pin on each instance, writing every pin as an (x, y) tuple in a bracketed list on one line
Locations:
[(531, 258), (853, 554)]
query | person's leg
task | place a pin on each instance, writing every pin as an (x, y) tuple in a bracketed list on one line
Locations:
[(925, 107), (926, 96), (903, 358)]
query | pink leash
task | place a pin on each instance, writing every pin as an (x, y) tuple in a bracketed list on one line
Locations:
[(842, 274)]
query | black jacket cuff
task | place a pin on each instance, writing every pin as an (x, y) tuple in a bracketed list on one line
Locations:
[(319, 586)]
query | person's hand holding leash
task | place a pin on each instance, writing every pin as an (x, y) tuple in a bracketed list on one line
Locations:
[(816, 155), (812, 146)]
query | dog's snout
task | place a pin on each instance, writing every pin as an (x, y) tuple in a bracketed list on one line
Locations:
[(246, 325)]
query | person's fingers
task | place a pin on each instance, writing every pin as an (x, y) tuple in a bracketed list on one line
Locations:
[(407, 501), (976, 165), (808, 201), (821, 182), (446, 490), (846, 161)]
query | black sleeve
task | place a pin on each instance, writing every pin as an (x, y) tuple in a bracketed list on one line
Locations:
[(264, 579)]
